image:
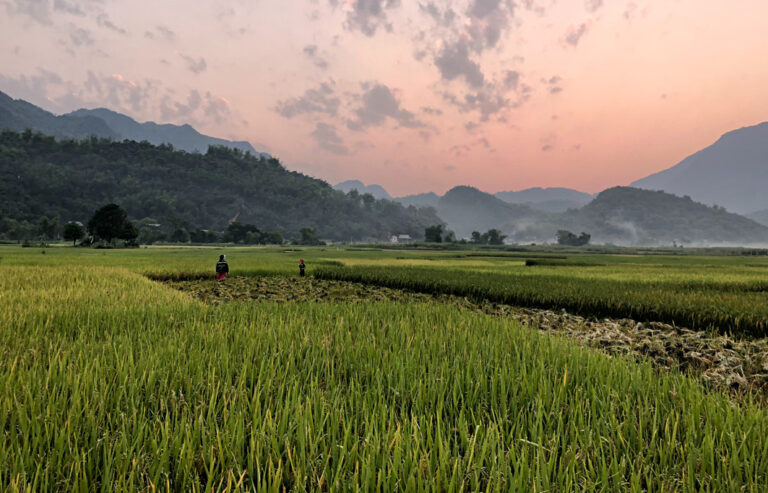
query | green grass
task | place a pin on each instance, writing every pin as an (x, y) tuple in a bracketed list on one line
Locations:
[(113, 381)]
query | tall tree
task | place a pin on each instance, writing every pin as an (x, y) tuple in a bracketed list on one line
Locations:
[(434, 234), (73, 232), (110, 222)]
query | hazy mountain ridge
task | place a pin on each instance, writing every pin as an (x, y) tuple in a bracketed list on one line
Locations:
[(376, 190), (428, 199), (647, 217), (620, 215), (182, 137), (19, 115), (732, 172), (553, 199), (466, 209)]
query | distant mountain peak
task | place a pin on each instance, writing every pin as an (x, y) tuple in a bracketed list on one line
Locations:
[(732, 172)]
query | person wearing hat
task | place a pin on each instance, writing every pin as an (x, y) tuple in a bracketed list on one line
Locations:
[(301, 267), (222, 268)]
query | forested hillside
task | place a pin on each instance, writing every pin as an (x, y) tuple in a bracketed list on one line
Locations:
[(69, 180)]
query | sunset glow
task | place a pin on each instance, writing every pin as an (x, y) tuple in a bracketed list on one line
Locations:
[(415, 96)]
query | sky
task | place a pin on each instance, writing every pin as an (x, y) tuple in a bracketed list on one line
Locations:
[(414, 95)]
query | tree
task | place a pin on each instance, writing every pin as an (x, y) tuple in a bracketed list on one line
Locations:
[(434, 234), (274, 238), (180, 236), (238, 232), (309, 237), (202, 236), (495, 237), (476, 238), (73, 232), (111, 222), (47, 227), (129, 233), (565, 237)]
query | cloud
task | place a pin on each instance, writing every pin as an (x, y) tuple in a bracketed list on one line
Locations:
[(67, 7), (327, 138), (195, 66), (379, 104), (102, 19), (161, 31), (459, 150), (367, 16), (548, 142), (574, 34), (42, 10), (142, 99), (321, 100), (311, 52), (175, 110), (118, 92), (80, 36), (454, 62), (511, 79), (427, 110), (489, 20), (553, 84), (593, 5), (216, 108), (460, 49), (482, 141), (37, 10), (488, 101), (34, 88), (444, 18)]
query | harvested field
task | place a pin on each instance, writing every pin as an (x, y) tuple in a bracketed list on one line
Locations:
[(738, 366)]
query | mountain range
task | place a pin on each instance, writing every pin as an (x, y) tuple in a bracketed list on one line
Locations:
[(19, 115), (544, 199), (210, 186), (619, 215)]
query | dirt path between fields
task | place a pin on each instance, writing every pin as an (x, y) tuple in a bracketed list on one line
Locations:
[(739, 366)]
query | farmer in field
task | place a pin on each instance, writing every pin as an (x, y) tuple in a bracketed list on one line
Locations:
[(302, 267), (222, 268)]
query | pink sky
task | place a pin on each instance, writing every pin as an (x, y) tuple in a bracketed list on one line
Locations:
[(413, 95)]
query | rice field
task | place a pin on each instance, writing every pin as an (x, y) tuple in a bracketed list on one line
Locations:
[(112, 381)]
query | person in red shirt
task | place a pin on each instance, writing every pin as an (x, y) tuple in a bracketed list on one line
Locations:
[(222, 268)]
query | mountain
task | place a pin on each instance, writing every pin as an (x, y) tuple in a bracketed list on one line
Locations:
[(376, 190), (182, 137), (17, 114), (759, 217), (547, 199), (732, 172), (631, 216), (428, 199), (70, 179), (466, 209)]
